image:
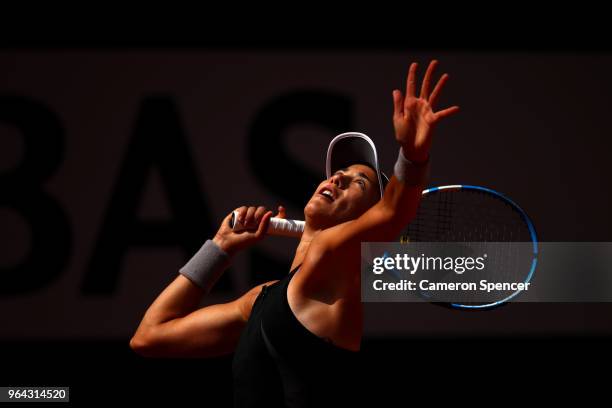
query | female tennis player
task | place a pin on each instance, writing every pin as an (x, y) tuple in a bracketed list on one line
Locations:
[(296, 341)]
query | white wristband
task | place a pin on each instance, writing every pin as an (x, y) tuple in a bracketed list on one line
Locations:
[(206, 267), (410, 173)]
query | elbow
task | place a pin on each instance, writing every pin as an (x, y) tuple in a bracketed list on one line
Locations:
[(143, 344)]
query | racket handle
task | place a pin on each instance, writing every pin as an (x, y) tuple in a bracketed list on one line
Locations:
[(277, 226)]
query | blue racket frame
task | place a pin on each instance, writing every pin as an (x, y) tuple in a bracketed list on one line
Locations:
[(527, 220)]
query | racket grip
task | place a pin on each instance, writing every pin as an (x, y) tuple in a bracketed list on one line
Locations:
[(277, 226)]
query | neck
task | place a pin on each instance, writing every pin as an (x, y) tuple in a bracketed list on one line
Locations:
[(302, 248)]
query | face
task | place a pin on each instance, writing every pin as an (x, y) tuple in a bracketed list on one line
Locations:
[(345, 196)]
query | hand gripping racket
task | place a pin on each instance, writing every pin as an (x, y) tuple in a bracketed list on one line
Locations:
[(277, 226)]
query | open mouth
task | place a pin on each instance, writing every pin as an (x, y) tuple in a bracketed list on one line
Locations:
[(327, 194)]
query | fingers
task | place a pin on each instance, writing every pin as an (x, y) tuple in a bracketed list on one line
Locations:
[(253, 217), (241, 214), (281, 212), (263, 225), (248, 219), (425, 86), (436, 92), (259, 213), (398, 103), (411, 81), (427, 79), (446, 112)]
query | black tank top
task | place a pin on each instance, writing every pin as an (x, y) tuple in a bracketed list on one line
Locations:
[(280, 363)]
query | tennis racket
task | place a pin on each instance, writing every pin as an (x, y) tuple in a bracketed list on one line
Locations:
[(457, 214)]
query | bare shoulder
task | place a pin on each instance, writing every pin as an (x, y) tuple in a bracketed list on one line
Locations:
[(327, 268), (246, 301)]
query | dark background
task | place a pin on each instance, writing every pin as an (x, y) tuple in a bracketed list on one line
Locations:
[(118, 162)]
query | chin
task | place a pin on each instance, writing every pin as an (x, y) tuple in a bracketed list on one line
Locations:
[(316, 214), (313, 210)]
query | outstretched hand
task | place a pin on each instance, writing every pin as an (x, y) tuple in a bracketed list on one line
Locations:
[(414, 117)]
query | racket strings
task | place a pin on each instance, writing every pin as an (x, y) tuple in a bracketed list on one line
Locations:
[(473, 216), (466, 216)]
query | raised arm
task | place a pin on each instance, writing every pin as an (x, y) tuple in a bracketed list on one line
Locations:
[(414, 120), (173, 326)]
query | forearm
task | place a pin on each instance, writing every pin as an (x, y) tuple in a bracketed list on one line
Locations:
[(400, 202), (403, 193), (184, 294)]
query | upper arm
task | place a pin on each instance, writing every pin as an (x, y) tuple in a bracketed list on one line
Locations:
[(207, 332)]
